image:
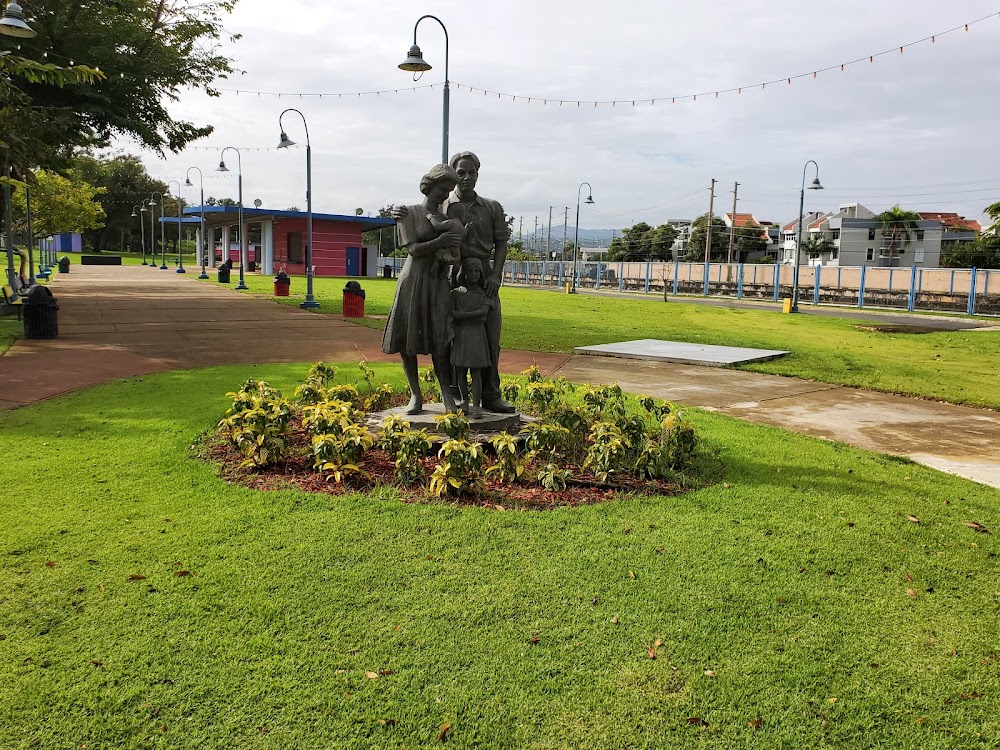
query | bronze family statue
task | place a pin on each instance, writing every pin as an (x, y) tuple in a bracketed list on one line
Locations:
[(447, 303)]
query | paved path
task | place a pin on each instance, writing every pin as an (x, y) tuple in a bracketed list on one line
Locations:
[(123, 321)]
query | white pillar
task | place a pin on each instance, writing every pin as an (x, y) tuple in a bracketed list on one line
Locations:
[(267, 247), (199, 246), (225, 243), (244, 247)]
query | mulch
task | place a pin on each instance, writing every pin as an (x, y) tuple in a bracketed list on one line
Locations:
[(296, 471)]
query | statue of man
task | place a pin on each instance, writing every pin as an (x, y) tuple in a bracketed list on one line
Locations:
[(486, 240)]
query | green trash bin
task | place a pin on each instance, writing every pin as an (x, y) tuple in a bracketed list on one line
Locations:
[(64, 265)]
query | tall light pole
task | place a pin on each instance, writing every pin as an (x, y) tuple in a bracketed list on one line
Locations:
[(415, 63), (239, 181), (798, 242), (163, 244), (180, 258), (310, 301), (203, 242), (576, 236), (137, 212), (12, 24), (152, 229)]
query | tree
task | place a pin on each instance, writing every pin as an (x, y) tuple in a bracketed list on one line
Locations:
[(629, 244), (817, 244), (150, 50), (58, 204), (748, 239), (383, 237), (699, 232), (897, 229), (126, 184), (224, 202), (984, 252)]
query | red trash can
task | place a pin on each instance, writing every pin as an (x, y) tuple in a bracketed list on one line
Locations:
[(282, 284), (354, 300)]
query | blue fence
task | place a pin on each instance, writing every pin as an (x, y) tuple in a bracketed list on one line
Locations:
[(969, 291)]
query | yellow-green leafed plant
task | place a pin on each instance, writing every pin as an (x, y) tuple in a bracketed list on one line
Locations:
[(379, 399), (257, 423), (510, 389), (510, 465), (341, 456), (453, 424), (460, 471), (330, 417), (608, 452), (413, 446)]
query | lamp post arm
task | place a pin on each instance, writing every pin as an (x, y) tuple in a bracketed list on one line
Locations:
[(447, 79)]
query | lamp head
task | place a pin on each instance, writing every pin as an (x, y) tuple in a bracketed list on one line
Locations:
[(222, 166), (414, 61), (187, 182), (12, 23), (143, 209), (815, 184), (590, 199), (134, 214), (285, 140), (151, 202)]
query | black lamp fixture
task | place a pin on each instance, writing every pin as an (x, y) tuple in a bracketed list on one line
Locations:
[(12, 23)]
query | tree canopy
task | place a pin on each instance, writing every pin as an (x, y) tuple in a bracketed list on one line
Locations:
[(898, 226), (147, 51), (699, 232), (643, 242), (58, 204)]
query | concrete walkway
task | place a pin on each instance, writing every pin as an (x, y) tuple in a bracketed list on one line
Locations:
[(124, 321)]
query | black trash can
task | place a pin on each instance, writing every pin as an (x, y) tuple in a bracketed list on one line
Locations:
[(386, 272), (64, 265), (41, 313), (224, 274)]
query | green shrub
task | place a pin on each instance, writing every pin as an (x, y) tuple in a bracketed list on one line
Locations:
[(510, 464), (461, 470), (379, 399), (257, 423), (330, 417), (609, 451), (454, 425), (340, 456), (510, 390), (553, 478), (532, 374), (412, 447), (393, 428), (546, 439)]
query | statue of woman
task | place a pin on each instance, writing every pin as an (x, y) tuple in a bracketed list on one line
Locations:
[(418, 320)]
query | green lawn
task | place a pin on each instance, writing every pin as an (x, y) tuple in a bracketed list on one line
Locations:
[(780, 596), (959, 367), (10, 329)]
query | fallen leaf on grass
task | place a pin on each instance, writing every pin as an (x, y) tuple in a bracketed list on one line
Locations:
[(697, 721), (831, 701), (51, 564), (371, 675), (631, 574), (534, 639), (443, 732), (499, 507), (93, 562), (387, 722), (921, 721), (136, 577), (97, 663), (614, 620), (977, 527), (183, 573), (911, 593), (263, 729), (710, 673), (385, 672), (908, 577), (756, 723), (652, 652), (913, 519), (657, 643)]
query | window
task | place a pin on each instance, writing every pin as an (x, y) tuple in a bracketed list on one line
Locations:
[(871, 254), (920, 235), (918, 256), (871, 235), (836, 234), (295, 247), (834, 254)]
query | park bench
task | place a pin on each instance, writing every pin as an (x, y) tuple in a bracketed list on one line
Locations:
[(12, 303)]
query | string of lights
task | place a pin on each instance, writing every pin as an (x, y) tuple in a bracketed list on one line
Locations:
[(632, 101)]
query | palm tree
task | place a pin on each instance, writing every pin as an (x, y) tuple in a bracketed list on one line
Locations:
[(897, 227), (817, 244)]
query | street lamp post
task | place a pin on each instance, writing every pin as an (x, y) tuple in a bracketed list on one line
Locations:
[(576, 239), (203, 242), (163, 242), (310, 301), (239, 181), (141, 209), (415, 63), (180, 258), (798, 242), (152, 229)]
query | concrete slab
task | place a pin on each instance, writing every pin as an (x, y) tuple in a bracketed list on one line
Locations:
[(681, 352)]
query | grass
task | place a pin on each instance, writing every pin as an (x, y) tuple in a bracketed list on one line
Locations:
[(780, 597), (132, 259), (955, 366), (10, 329)]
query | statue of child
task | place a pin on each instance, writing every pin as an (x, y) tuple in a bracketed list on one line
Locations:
[(470, 349)]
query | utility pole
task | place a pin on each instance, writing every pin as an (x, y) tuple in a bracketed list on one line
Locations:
[(548, 238), (565, 232), (708, 233), (732, 226), (520, 226), (534, 239)]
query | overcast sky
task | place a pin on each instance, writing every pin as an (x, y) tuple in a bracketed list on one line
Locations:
[(918, 128)]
